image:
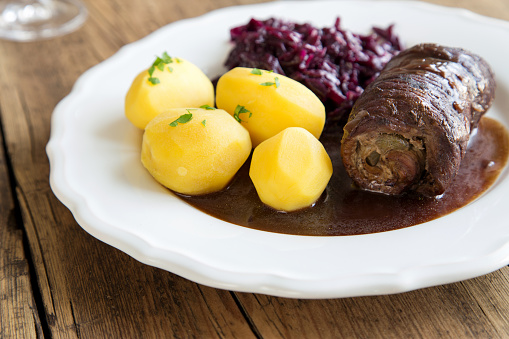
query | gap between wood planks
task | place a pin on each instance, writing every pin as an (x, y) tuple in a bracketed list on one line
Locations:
[(39, 314)]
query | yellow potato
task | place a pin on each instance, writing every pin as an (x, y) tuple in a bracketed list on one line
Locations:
[(179, 84), (290, 170), (195, 154), (271, 102)]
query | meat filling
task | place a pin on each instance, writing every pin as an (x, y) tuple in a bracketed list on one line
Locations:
[(389, 160)]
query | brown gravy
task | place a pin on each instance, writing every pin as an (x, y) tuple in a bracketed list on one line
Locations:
[(346, 210)]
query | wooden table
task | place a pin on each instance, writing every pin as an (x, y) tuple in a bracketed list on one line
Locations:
[(56, 281)]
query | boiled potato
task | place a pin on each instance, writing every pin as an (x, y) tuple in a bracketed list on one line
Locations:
[(194, 151), (169, 83), (290, 170), (266, 103)]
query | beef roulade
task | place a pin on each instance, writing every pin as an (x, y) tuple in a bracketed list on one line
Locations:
[(410, 128)]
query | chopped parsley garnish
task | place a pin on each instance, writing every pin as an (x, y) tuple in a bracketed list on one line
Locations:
[(184, 118), (207, 107), (160, 64), (276, 81), (268, 83), (166, 57), (239, 110), (204, 122), (256, 71), (153, 81)]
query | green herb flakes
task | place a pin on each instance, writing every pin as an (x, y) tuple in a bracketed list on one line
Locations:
[(240, 110), (276, 81), (256, 71), (204, 123), (207, 107), (166, 58), (160, 64), (269, 83), (153, 81), (183, 119)]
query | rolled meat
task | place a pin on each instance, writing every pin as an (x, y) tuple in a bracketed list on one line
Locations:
[(410, 128)]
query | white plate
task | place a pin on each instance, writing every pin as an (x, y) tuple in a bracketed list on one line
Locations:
[(96, 172)]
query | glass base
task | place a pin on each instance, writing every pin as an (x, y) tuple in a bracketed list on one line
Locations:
[(24, 20)]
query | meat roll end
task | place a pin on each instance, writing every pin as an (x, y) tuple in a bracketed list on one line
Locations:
[(410, 128), (386, 162)]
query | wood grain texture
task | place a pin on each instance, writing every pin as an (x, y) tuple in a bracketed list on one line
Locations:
[(18, 313), (88, 289), (472, 309), (498, 9)]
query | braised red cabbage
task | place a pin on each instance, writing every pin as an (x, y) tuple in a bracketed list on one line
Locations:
[(334, 63)]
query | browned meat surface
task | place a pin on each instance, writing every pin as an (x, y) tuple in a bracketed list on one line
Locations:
[(410, 128)]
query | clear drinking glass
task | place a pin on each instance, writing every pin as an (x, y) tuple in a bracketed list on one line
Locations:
[(28, 20)]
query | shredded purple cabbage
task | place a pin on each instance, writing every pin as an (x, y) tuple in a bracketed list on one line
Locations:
[(334, 63)]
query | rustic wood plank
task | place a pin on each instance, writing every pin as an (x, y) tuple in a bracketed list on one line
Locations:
[(476, 308), (491, 293), (18, 312), (21, 143), (494, 8)]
